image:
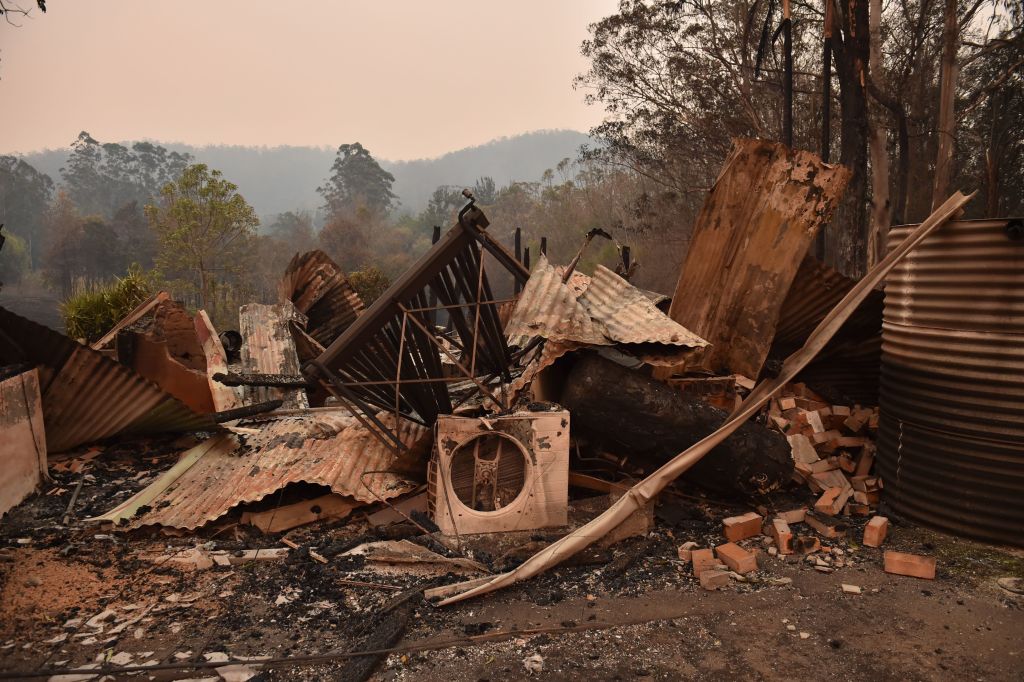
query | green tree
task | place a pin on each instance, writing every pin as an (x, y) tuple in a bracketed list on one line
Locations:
[(485, 190), (137, 240), (24, 195), (442, 207), (357, 181), (369, 283), (101, 251), (103, 177), (204, 228)]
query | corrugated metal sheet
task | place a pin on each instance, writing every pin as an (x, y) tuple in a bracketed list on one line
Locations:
[(952, 430), (847, 369), (86, 396), (268, 348), (325, 447), (629, 316), (595, 311), (550, 309), (321, 292)]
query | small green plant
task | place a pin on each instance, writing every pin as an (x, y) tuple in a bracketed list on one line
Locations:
[(90, 314)]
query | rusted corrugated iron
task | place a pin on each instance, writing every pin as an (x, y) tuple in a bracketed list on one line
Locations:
[(630, 316), (325, 447), (848, 367), (268, 348), (87, 396), (549, 308), (598, 311), (321, 292), (951, 448)]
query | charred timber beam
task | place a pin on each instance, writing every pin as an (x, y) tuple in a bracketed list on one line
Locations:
[(633, 415)]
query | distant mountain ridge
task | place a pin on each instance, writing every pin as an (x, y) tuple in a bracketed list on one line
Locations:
[(285, 178)]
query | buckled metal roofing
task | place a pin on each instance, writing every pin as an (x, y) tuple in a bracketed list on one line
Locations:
[(321, 292), (87, 396), (328, 447)]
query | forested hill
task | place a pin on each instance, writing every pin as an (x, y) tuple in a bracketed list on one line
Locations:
[(278, 179)]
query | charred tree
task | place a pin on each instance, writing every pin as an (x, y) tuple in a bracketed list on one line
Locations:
[(846, 238)]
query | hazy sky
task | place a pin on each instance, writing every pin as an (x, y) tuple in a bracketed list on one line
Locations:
[(407, 78)]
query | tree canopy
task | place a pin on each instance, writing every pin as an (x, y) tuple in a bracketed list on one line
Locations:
[(357, 181), (204, 228)]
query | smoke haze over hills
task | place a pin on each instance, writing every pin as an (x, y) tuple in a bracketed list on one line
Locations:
[(285, 178)]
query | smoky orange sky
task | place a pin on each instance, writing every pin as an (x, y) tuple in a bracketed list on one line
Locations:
[(408, 79)]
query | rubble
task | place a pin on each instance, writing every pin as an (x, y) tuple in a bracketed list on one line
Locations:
[(354, 470)]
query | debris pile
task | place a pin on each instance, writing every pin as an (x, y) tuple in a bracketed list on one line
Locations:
[(833, 448), (443, 442)]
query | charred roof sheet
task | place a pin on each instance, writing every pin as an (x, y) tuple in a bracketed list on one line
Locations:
[(320, 291), (87, 396), (327, 447)]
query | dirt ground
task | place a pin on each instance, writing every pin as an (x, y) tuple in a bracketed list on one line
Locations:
[(633, 611)]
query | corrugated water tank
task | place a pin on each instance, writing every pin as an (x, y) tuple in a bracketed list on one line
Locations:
[(951, 443)]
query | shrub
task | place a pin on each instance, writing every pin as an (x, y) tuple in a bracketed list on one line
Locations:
[(369, 283), (90, 314)]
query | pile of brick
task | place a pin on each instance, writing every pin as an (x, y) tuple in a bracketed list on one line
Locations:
[(749, 537), (833, 449)]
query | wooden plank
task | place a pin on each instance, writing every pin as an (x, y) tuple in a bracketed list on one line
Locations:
[(748, 242)]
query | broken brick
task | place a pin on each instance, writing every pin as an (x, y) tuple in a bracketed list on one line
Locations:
[(686, 550), (875, 531), (713, 579), (736, 558), (738, 528), (832, 500), (782, 535), (825, 526), (806, 544), (913, 565), (702, 560)]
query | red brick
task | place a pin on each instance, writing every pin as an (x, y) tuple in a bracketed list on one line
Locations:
[(793, 515), (713, 579), (702, 559), (686, 550), (832, 500), (738, 528), (736, 558), (914, 565), (782, 535), (875, 531), (805, 544), (825, 526)]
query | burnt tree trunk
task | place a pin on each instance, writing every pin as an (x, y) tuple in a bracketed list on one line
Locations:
[(881, 209), (846, 238), (947, 94), (632, 415)]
